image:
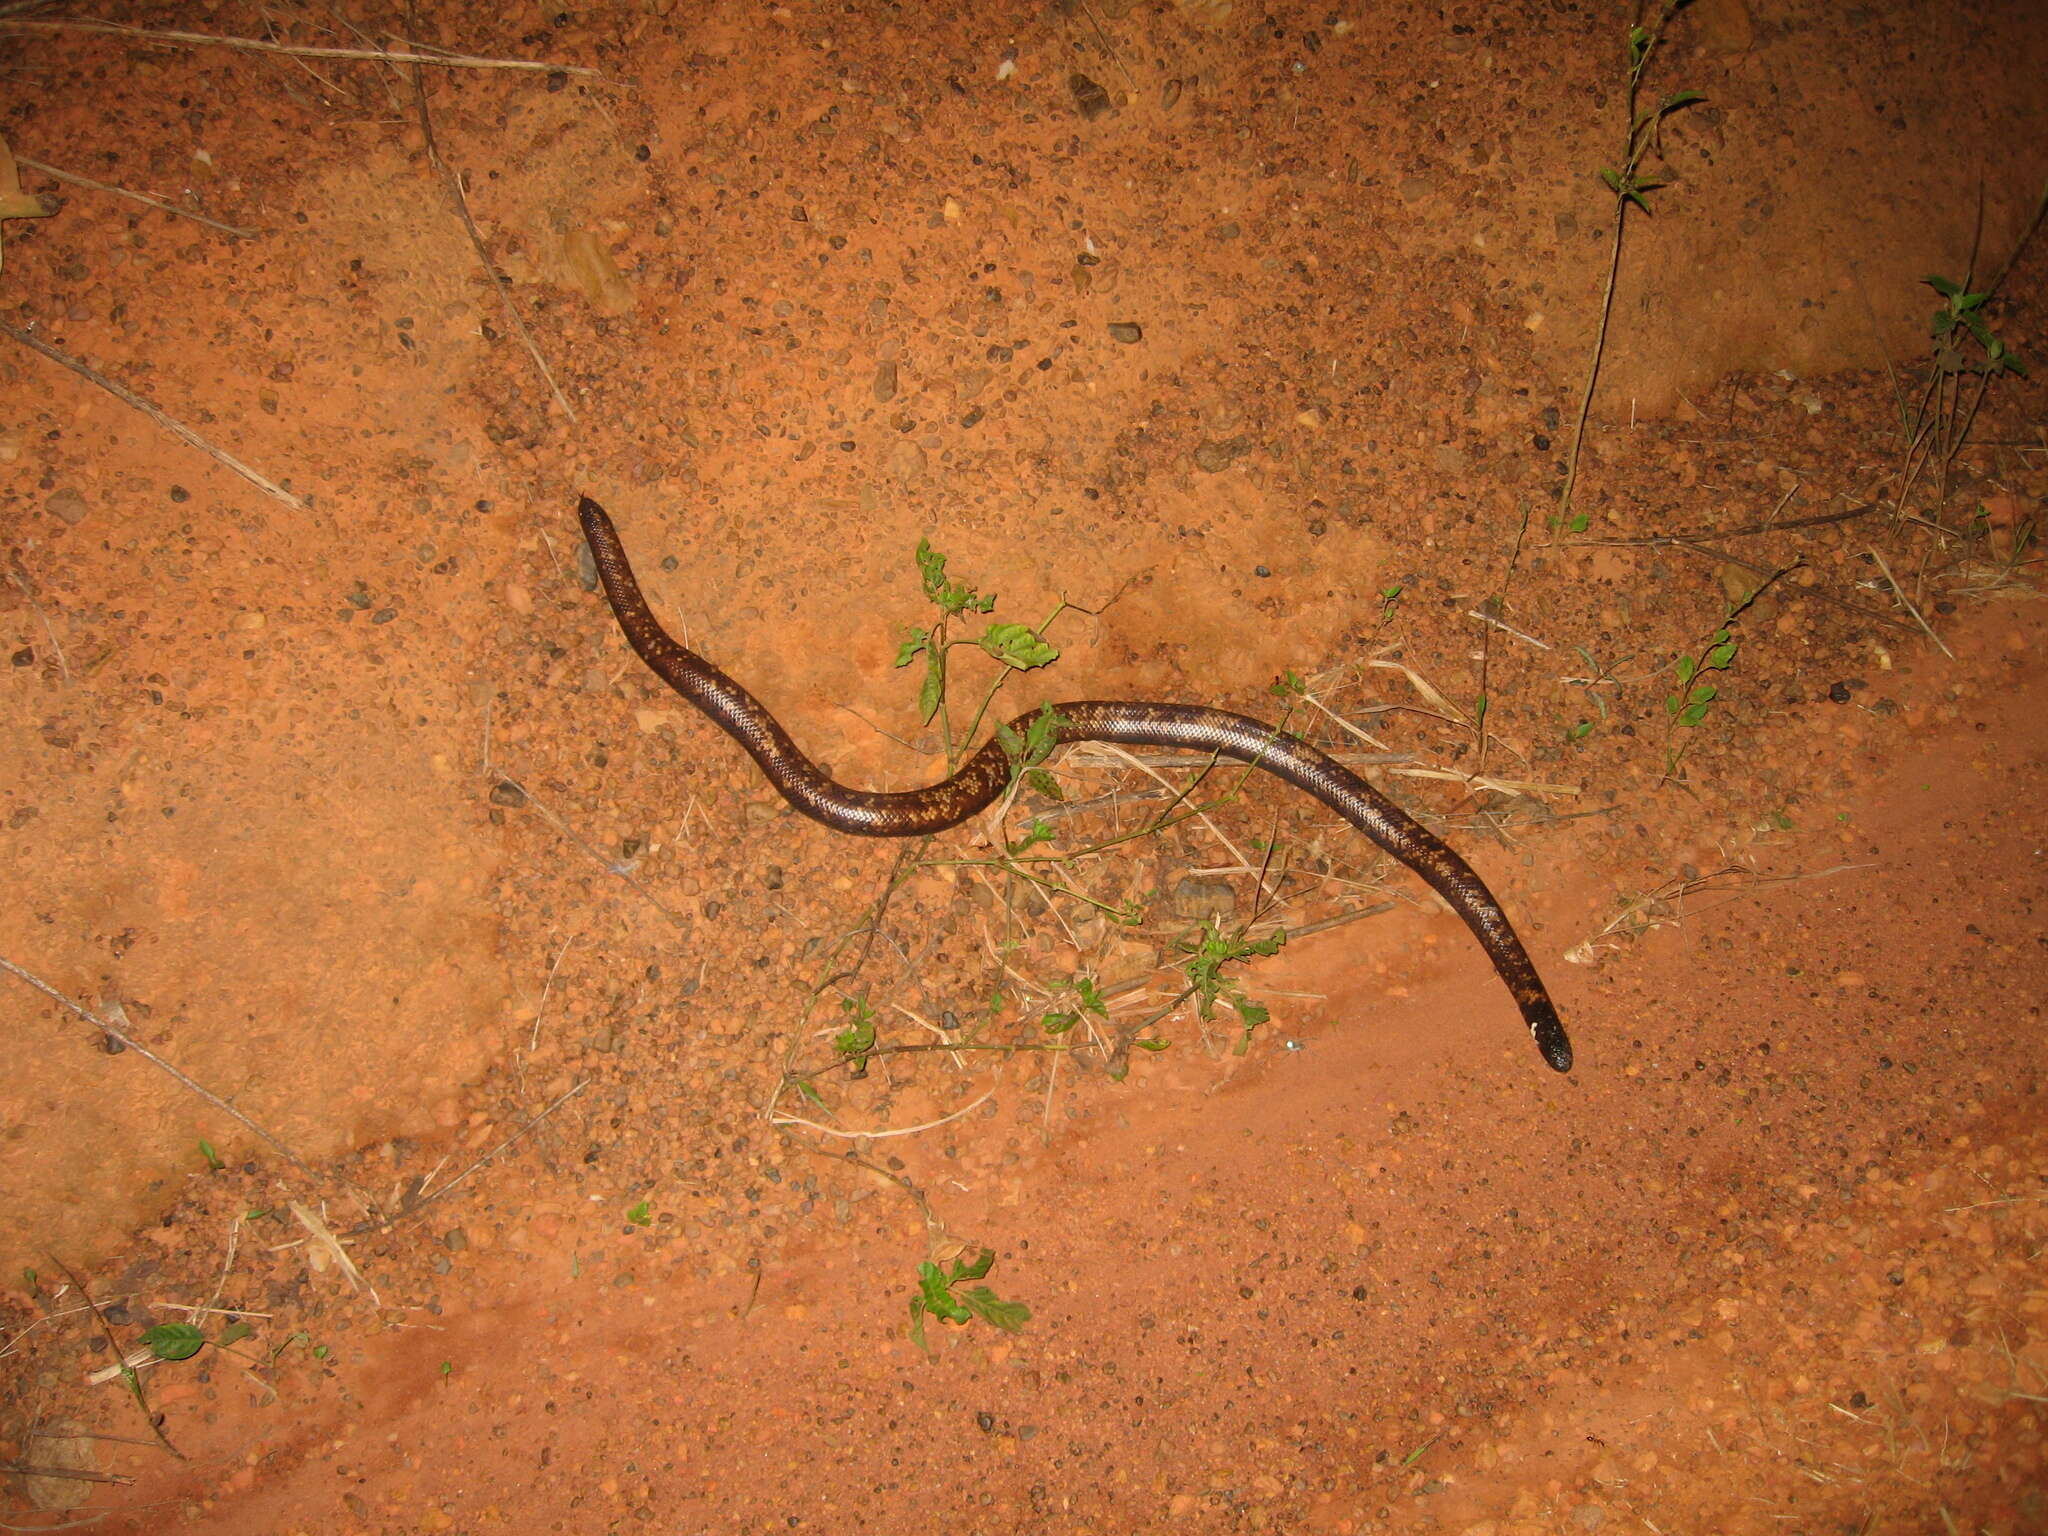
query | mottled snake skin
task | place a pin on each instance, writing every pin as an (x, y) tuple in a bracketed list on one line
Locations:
[(986, 775)]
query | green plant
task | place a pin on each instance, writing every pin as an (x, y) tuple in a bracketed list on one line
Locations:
[(1389, 597), (1629, 185), (1091, 1001), (858, 1038), (936, 1295), (1693, 700), (213, 1162), (1207, 955), (1967, 356), (1017, 647), (1689, 705), (640, 1214)]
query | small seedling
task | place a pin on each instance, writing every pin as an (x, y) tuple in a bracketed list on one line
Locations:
[(936, 1295), (1689, 706), (858, 1038), (1390, 596), (640, 1214), (1206, 958), (213, 1162), (1628, 184), (1091, 1001), (1578, 733), (1964, 311)]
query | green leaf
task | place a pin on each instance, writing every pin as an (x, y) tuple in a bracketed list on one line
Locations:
[(932, 689), (1152, 1045), (914, 645), (917, 1327), (174, 1341), (1059, 1023), (1010, 1316), (963, 1269), (213, 1161), (858, 1038), (1679, 99), (1705, 693), (1091, 996), (640, 1214), (1943, 286), (1288, 685), (1581, 522), (950, 596), (803, 1086), (1686, 668), (235, 1332), (1719, 657), (1046, 785), (1043, 734), (1580, 731), (1019, 646), (935, 1293), (1253, 1014), (1612, 177)]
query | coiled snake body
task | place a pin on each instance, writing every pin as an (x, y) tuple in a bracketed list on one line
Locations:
[(986, 775)]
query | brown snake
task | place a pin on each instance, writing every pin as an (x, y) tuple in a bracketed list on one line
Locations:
[(987, 774)]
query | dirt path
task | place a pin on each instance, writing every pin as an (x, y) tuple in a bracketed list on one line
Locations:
[(1255, 339)]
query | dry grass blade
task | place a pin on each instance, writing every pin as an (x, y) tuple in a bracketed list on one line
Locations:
[(1436, 701), (476, 240), (325, 1241), (621, 870), (73, 1474), (141, 197), (1487, 781), (113, 1031), (261, 45), (1747, 530), (124, 1369), (878, 1135), (455, 1183), (1907, 603), (169, 423), (1664, 906)]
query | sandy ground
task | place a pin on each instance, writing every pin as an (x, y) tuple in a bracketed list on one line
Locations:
[(1256, 340)]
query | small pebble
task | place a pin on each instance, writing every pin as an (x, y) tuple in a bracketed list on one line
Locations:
[(1089, 98), (67, 505), (1126, 332)]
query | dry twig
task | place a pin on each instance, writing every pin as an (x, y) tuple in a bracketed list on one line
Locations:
[(289, 50), (169, 423), (115, 1032), (476, 240), (141, 197)]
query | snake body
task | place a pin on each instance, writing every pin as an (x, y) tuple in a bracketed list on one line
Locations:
[(986, 775)]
